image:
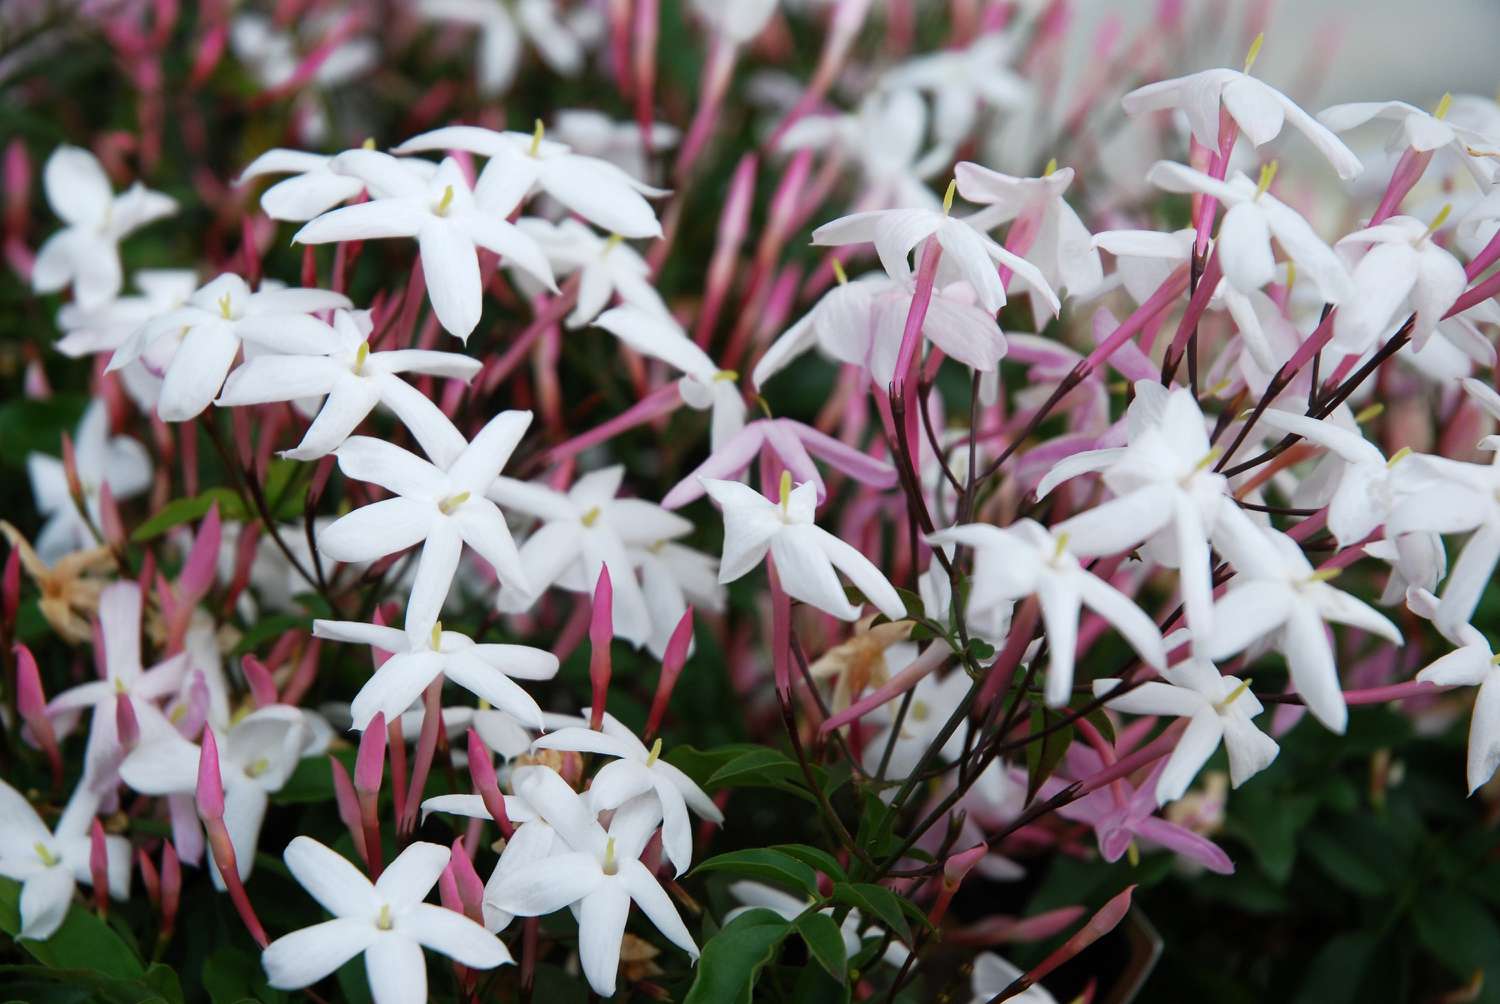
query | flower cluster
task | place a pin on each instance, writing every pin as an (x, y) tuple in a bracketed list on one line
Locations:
[(1018, 573)]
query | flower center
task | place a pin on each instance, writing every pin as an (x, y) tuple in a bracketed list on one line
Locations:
[(839, 273), (1267, 175), (1062, 546), (726, 375), (591, 517), (615, 240), (258, 768), (786, 492), (948, 196), (1438, 221), (385, 921), (47, 857), (655, 752), (360, 356), (1234, 695), (611, 866), (445, 201), (1323, 575), (450, 504), (920, 711), (225, 310), (1398, 456), (1441, 111), (436, 638), (536, 138), (1254, 53)]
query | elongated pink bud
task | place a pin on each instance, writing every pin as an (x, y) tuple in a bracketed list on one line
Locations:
[(734, 221), (955, 870), (111, 527), (672, 661), (347, 801), (150, 878), (432, 728), (470, 885), (1101, 923), (396, 752), (127, 726), (197, 575), (210, 781), (647, 27), (482, 772), (262, 686), (448, 889), (99, 867), (601, 631), (31, 702), (369, 770)]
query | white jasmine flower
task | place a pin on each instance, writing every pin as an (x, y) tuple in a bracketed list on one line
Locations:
[(104, 328), (884, 136), (117, 461), (1278, 594), (557, 40), (637, 771), (1473, 664), (386, 920), (758, 896), (595, 189), (933, 701), (486, 671), (351, 379), (210, 328), (805, 554), (673, 574), (704, 384), (1455, 497), (86, 252), (583, 530), (450, 222), (1259, 109), (439, 504), (739, 22), (595, 872), (1403, 271), (992, 975), (1025, 559), (314, 188), (1218, 709), (48, 863), (963, 82), (1420, 130), (606, 267)]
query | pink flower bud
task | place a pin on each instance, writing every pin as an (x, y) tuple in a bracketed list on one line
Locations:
[(348, 804), (171, 888), (601, 631), (197, 575), (126, 724), (99, 867), (262, 686), (210, 781), (369, 766), (671, 668), (110, 525), (470, 885), (482, 772), (149, 877)]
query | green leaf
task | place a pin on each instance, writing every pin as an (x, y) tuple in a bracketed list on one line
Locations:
[(1043, 755), (1333, 977), (231, 976), (732, 959), (158, 986), (814, 857), (876, 902), (32, 425), (761, 767), (1345, 863), (83, 941), (766, 864), (270, 627), (1457, 929), (180, 511), (824, 942), (700, 764)]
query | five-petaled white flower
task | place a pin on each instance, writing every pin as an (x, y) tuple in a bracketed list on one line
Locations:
[(117, 461), (1025, 559), (595, 189), (210, 328), (1422, 131), (805, 554), (595, 872), (558, 42), (439, 503), (86, 252), (1472, 664), (1403, 270), (638, 771), (1447, 497), (1218, 709), (450, 222), (386, 920), (48, 863), (484, 670), (351, 379), (606, 267)]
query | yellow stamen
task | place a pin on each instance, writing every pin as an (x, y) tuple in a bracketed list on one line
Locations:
[(369, 143), (258, 768), (224, 306), (1254, 53), (1291, 276), (1219, 387), (1441, 111), (385, 921), (1234, 695), (1208, 459), (48, 858), (445, 201), (536, 138), (1133, 854), (765, 406), (839, 273), (729, 375), (177, 714), (1374, 411), (452, 502), (1325, 575), (1051, 168), (786, 489), (1267, 175), (655, 752), (1438, 220), (360, 356), (1495, 660), (919, 711), (610, 864), (591, 517), (1062, 545), (948, 196), (1398, 456), (437, 636), (615, 240)]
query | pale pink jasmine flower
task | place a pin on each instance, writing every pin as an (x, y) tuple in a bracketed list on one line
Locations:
[(638, 771), (597, 872), (488, 671), (385, 920), (805, 554), (1420, 131), (1026, 559), (1256, 108), (794, 445), (352, 380), (703, 385), (1472, 664), (450, 222), (1456, 497), (440, 504), (85, 253), (519, 163), (583, 530), (49, 863), (210, 328), (606, 268), (101, 461)]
